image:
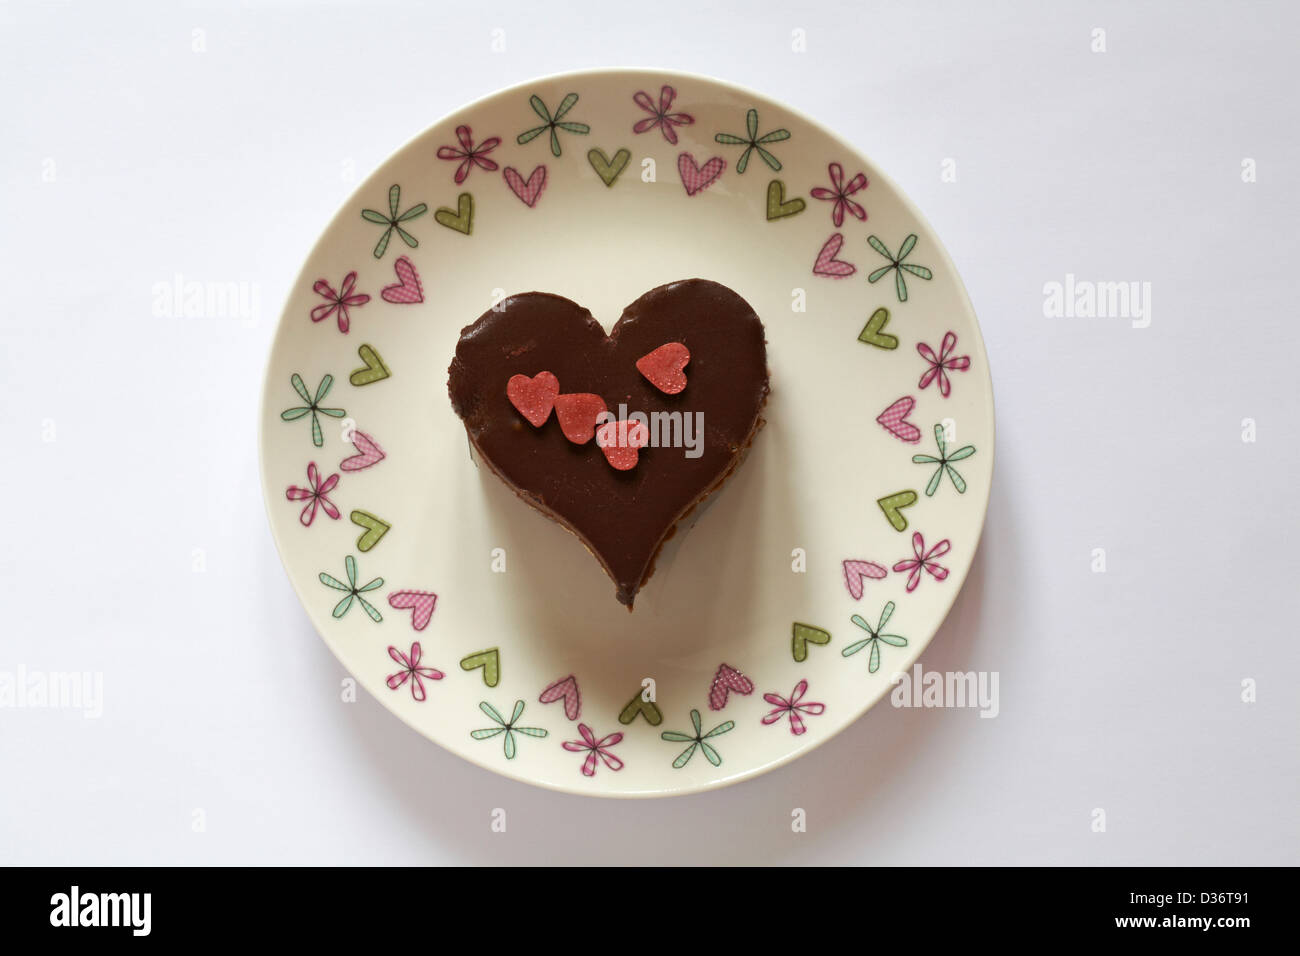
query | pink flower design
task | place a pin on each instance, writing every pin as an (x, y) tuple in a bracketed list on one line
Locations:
[(339, 301), (942, 363), (469, 154), (594, 748), (314, 496), (840, 193), (924, 560), (660, 115), (412, 671), (794, 707)]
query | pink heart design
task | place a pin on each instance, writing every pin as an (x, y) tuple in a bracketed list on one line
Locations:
[(694, 177), (527, 191), (828, 265), (369, 453), (408, 289), (567, 689), (894, 418), (856, 571), (725, 681), (420, 602)]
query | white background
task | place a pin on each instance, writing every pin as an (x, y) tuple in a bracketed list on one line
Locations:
[(129, 439)]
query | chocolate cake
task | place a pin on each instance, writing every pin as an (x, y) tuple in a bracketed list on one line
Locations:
[(615, 437)]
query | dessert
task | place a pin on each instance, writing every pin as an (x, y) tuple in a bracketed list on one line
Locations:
[(617, 437)]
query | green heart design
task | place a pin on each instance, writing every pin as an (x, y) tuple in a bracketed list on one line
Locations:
[(804, 634), (374, 371), (873, 332), (647, 708), (892, 506), (462, 220), (777, 206), (489, 660), (608, 169), (376, 528)]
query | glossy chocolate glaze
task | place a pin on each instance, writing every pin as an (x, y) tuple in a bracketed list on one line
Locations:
[(622, 517)]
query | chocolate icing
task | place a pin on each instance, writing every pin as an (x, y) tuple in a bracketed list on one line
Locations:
[(622, 517)]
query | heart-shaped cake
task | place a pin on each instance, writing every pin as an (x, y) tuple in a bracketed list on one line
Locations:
[(616, 437)]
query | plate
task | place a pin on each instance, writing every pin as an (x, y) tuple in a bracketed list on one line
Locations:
[(787, 605)]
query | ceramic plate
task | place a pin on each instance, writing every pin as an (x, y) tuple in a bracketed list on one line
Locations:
[(782, 609)]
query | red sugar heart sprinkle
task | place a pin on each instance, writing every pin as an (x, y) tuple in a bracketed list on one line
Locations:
[(620, 442), (577, 414), (663, 367), (533, 397)]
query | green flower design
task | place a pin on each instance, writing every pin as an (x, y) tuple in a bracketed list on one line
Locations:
[(393, 221), (312, 407), (873, 663), (507, 727), (699, 740), (897, 263), (944, 464), (753, 142), (552, 123), (354, 592)]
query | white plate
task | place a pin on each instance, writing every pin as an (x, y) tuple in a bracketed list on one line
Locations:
[(767, 553)]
